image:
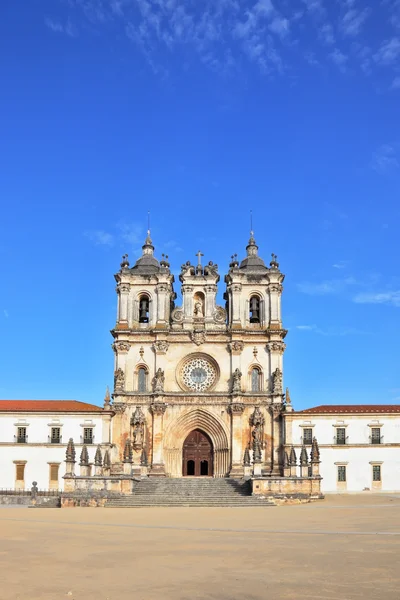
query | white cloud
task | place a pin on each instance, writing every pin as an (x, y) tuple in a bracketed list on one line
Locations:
[(100, 237), (333, 286), (389, 52), (341, 264), (280, 26), (57, 27), (392, 298), (6, 313), (130, 233), (339, 59), (395, 83), (306, 327), (385, 159), (353, 21), (325, 33)]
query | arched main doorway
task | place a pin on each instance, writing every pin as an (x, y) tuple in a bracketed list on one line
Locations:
[(197, 455)]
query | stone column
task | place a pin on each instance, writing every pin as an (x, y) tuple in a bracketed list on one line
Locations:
[(236, 316), (161, 289), (275, 291), (276, 410), (211, 292), (158, 409), (236, 409), (123, 290)]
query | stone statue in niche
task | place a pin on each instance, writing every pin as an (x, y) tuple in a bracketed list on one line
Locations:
[(119, 379), (198, 310), (138, 426), (158, 381), (237, 381), (277, 381), (257, 421)]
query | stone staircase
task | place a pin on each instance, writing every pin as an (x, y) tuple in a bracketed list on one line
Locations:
[(188, 491)]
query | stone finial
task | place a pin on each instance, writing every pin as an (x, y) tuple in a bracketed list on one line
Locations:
[(315, 456), (246, 458), (106, 460), (293, 458), (84, 459), (303, 457), (287, 396), (107, 398), (274, 262), (98, 459), (125, 262), (286, 461), (143, 458), (70, 453), (128, 452)]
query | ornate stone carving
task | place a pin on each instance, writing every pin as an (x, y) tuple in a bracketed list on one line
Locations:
[(237, 287), (98, 459), (162, 288), (70, 453), (177, 315), (276, 409), (119, 407), (236, 347), (123, 288), (277, 381), (158, 381), (128, 454), (276, 347), (141, 352), (236, 408), (315, 456), (198, 374), (187, 289), (219, 315), (160, 347), (275, 287), (121, 347), (107, 460), (138, 422), (255, 352), (257, 422), (158, 408), (236, 382), (119, 380), (198, 337), (198, 310), (211, 288), (84, 459)]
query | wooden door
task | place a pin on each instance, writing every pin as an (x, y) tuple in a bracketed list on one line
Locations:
[(197, 455)]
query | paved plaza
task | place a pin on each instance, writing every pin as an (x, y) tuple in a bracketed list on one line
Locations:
[(344, 547)]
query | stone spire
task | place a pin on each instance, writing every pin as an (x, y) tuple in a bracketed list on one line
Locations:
[(303, 457), (143, 458), (107, 399), (286, 461), (253, 262), (70, 453), (246, 458), (128, 452), (293, 458), (98, 459), (84, 459), (315, 451), (106, 460)]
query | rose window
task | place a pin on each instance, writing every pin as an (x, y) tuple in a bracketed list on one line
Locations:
[(198, 374)]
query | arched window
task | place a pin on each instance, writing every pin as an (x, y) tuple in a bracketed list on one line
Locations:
[(255, 380), (144, 309), (254, 310), (142, 380)]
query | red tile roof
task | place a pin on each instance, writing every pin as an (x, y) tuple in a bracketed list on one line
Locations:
[(326, 409), (51, 406)]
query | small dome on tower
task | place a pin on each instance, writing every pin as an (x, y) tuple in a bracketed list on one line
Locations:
[(147, 263), (253, 262)]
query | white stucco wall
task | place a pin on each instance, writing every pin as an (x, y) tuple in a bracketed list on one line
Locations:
[(358, 454), (37, 452)]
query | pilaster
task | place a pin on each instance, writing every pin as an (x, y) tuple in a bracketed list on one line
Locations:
[(158, 409), (236, 410)]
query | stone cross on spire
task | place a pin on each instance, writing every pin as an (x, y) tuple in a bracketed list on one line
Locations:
[(199, 255)]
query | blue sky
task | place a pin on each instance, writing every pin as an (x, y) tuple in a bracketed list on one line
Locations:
[(199, 112)]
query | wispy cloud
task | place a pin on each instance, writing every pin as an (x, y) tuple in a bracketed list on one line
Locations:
[(339, 59), (353, 20), (385, 159), (5, 313), (326, 34), (333, 286), (388, 53), (331, 331), (388, 297), (57, 27), (395, 83), (341, 264), (100, 237)]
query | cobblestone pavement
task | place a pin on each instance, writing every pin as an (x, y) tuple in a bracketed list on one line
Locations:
[(345, 547)]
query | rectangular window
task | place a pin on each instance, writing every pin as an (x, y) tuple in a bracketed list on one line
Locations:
[(340, 435), (88, 435), (54, 472), (376, 472), (22, 438), (307, 435), (20, 472), (341, 473), (55, 435), (375, 435)]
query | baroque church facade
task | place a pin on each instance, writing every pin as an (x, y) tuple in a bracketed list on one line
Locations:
[(198, 387)]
